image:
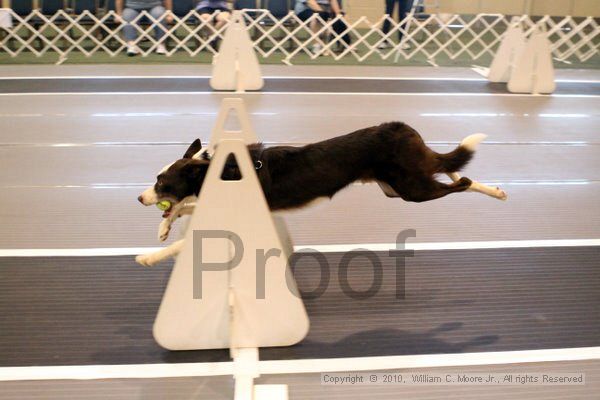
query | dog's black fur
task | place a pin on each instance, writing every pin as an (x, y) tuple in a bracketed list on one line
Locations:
[(392, 154)]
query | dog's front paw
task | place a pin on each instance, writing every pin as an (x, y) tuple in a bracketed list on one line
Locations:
[(163, 230), (147, 260)]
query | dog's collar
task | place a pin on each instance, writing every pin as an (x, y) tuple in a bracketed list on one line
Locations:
[(258, 164)]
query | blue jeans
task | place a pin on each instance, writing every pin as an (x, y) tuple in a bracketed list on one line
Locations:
[(130, 32)]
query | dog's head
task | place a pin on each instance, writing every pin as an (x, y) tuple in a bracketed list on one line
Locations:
[(178, 180)]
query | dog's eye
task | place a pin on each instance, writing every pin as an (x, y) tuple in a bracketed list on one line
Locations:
[(159, 183)]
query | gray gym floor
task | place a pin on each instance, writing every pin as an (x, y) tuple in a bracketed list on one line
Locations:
[(74, 161), (100, 310)]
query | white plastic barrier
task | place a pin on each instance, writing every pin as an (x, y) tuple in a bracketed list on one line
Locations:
[(533, 71), (236, 66), (509, 51), (244, 303), (526, 65), (229, 108)]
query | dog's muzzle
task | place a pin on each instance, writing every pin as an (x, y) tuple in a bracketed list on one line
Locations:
[(148, 197)]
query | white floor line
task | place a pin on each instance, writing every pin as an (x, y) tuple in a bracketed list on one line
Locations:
[(123, 371), (8, 78), (396, 78), (282, 77), (427, 361), (89, 252), (296, 94), (148, 371), (331, 248)]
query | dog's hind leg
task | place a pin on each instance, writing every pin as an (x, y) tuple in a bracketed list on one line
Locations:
[(425, 189), (494, 192), (387, 189)]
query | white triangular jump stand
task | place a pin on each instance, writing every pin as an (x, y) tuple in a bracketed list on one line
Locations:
[(526, 65), (510, 50), (236, 66), (533, 71), (246, 133), (232, 311)]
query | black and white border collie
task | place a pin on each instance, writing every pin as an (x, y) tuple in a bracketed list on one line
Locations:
[(391, 154)]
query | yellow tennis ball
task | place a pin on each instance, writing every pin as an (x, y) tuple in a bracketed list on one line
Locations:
[(163, 205)]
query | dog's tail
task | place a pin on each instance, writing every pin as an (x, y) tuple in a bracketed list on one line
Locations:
[(460, 157)]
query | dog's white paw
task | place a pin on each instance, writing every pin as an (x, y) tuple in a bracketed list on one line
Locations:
[(163, 230), (501, 194), (147, 260)]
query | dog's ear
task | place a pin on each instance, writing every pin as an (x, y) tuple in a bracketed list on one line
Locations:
[(195, 147), (196, 169)]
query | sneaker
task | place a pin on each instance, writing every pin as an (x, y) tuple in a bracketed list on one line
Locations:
[(132, 50), (405, 46), (316, 48), (384, 45), (161, 49)]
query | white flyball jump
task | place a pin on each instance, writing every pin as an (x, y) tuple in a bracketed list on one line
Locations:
[(231, 286), (509, 51), (236, 65), (525, 64), (533, 71)]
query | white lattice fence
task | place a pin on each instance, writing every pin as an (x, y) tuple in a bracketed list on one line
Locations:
[(432, 37)]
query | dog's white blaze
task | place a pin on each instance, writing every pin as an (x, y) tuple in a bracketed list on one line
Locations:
[(198, 155), (472, 141), (149, 196)]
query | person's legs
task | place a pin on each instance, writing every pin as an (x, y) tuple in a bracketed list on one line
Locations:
[(389, 10), (205, 18), (305, 14), (325, 15), (129, 31), (158, 13), (402, 6), (314, 24), (208, 15), (221, 19)]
